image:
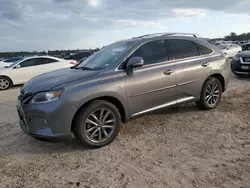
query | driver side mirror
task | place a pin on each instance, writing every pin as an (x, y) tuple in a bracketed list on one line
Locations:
[(17, 66), (135, 62)]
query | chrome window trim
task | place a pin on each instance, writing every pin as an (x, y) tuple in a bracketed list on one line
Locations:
[(167, 61)]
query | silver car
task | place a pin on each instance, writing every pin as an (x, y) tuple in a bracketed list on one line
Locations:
[(122, 81)]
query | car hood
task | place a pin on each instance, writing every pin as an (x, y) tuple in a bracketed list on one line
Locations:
[(52, 79), (244, 53)]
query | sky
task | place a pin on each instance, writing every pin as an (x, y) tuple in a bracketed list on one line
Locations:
[(27, 25)]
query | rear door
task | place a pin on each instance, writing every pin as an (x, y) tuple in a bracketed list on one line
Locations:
[(50, 64), (191, 66), (152, 86)]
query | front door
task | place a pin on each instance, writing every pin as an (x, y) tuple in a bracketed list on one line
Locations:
[(26, 70), (152, 86)]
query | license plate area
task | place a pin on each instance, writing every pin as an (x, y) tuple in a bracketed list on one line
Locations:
[(245, 67)]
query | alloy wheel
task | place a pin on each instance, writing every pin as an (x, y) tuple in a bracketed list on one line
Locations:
[(212, 94), (4, 83), (100, 125)]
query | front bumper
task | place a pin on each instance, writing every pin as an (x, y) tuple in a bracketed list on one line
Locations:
[(239, 68), (46, 120)]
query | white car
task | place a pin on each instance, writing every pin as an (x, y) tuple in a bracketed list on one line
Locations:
[(229, 50), (27, 68)]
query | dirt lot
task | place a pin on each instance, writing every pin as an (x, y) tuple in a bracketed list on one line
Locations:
[(180, 147)]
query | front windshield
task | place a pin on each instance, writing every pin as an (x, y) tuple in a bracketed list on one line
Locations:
[(246, 47), (11, 64), (13, 60), (106, 56), (222, 46)]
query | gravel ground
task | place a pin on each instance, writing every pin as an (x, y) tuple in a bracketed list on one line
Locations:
[(179, 147)]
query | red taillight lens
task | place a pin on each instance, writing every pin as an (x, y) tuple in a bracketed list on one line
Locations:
[(73, 63)]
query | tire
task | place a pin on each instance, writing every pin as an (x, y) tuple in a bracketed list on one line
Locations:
[(238, 75), (85, 125), (207, 100), (5, 83)]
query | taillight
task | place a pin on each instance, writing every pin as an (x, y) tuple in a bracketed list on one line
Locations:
[(73, 63)]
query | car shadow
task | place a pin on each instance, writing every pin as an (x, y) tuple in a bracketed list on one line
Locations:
[(23, 144)]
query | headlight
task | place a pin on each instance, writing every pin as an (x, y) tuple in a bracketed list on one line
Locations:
[(45, 97), (236, 58)]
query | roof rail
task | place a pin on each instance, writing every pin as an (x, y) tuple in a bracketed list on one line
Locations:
[(167, 34), (190, 34), (150, 35)]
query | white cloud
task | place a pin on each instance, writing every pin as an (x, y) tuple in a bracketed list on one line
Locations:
[(136, 23), (249, 17), (93, 3), (188, 13)]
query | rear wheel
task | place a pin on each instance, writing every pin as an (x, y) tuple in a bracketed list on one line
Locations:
[(97, 124), (5, 83), (210, 94)]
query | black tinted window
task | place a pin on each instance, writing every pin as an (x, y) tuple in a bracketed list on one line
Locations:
[(152, 52), (203, 50), (48, 60), (82, 55), (246, 47), (31, 62), (178, 49)]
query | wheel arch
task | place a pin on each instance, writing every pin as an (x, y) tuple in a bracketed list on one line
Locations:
[(11, 81), (114, 100), (221, 79)]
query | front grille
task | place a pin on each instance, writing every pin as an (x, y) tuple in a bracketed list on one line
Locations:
[(246, 59)]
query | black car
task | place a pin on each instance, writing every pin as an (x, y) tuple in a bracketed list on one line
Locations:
[(79, 56), (241, 62)]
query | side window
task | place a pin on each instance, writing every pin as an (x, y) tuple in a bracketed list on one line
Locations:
[(152, 52), (178, 49), (203, 50), (31, 62), (48, 60)]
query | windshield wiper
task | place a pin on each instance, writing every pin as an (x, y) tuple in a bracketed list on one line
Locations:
[(85, 68)]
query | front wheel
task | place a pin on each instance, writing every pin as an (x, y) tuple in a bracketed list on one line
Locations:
[(5, 83), (210, 94), (97, 124)]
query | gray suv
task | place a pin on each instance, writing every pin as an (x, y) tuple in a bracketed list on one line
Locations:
[(122, 81)]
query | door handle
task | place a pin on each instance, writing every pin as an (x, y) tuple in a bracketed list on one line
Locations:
[(168, 72), (205, 64)]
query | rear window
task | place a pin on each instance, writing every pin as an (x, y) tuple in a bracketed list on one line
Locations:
[(203, 50), (48, 60), (178, 49)]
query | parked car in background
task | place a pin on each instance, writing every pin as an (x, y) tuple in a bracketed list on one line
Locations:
[(229, 50), (9, 61), (122, 81), (79, 56), (217, 43), (21, 71), (241, 62)]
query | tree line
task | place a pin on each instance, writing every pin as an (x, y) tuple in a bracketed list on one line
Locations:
[(234, 37), (57, 53)]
